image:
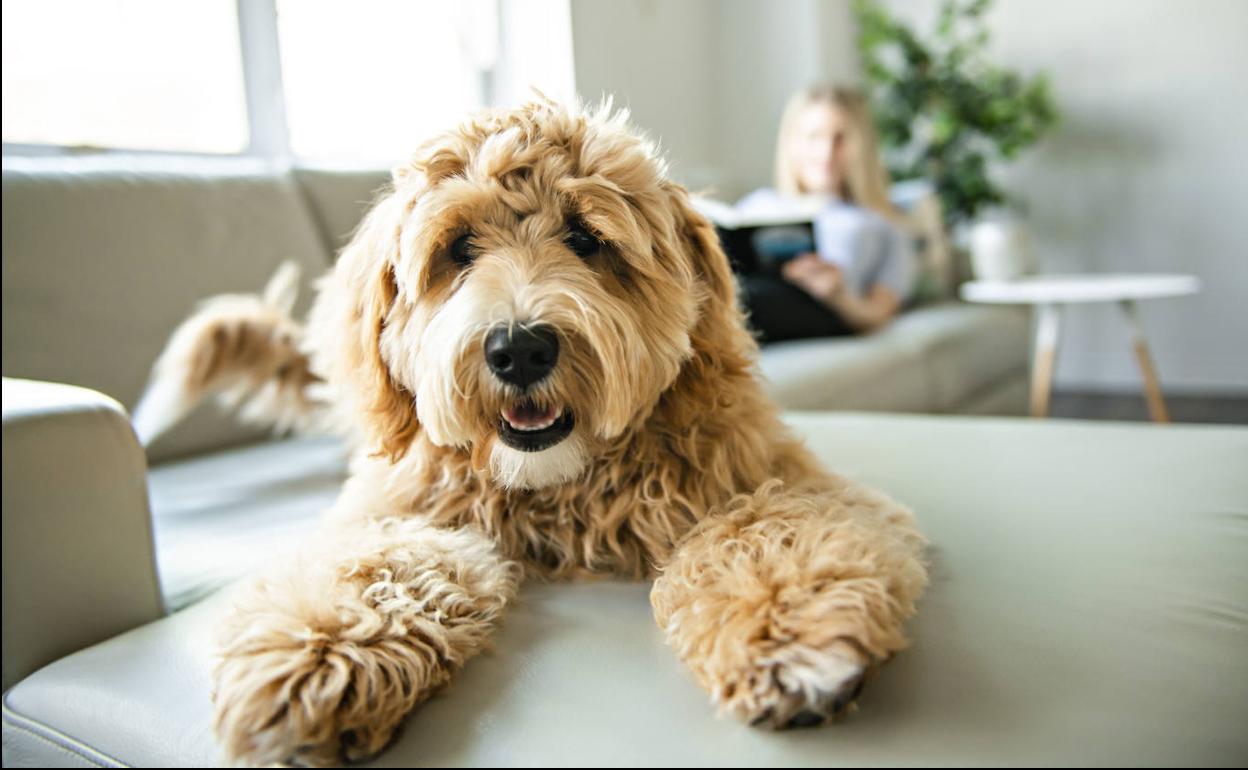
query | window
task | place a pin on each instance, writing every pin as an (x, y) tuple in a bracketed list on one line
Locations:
[(359, 82), (147, 74), (373, 77)]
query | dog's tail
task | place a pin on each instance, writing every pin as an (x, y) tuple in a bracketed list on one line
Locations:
[(246, 350)]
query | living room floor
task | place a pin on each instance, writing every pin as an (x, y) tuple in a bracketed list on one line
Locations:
[(1229, 410)]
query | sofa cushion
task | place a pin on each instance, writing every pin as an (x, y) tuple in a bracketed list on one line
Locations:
[(933, 358), (219, 516), (967, 347), (879, 372), (1087, 607), (104, 256), (339, 198)]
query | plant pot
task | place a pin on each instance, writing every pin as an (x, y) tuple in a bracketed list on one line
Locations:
[(1000, 249)]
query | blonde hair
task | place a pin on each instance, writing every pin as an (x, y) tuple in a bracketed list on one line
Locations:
[(865, 182)]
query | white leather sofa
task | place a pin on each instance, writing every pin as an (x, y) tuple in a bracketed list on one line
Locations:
[(1089, 606)]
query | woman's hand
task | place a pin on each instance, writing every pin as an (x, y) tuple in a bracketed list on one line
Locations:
[(825, 282), (822, 280)]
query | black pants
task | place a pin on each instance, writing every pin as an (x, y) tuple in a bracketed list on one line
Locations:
[(778, 310)]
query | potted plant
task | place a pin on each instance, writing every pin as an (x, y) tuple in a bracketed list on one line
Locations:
[(945, 112)]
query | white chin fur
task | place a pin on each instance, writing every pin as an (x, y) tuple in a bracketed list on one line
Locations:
[(559, 464)]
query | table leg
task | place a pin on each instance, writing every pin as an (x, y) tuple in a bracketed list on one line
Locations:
[(1152, 387), (1047, 329)]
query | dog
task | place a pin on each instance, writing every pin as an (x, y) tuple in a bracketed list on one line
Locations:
[(534, 343)]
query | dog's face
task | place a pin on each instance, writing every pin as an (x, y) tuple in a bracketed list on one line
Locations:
[(527, 292)]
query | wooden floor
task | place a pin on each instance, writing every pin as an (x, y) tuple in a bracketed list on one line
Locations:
[(1232, 410)]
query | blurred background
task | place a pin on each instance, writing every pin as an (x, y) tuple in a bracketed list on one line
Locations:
[(1130, 157)]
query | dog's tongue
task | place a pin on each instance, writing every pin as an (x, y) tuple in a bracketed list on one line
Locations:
[(527, 415)]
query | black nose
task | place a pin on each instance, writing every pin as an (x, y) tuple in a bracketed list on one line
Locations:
[(521, 355)]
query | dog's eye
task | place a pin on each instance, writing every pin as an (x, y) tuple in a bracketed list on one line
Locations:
[(463, 251), (582, 242)]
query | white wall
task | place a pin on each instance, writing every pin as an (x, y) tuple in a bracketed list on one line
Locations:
[(655, 58), (710, 77), (764, 52)]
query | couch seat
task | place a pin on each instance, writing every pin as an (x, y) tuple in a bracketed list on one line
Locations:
[(1089, 605), (219, 516), (933, 358)]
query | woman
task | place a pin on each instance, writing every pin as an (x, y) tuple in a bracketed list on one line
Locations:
[(862, 268)]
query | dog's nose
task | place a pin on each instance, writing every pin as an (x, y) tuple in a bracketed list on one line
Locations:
[(521, 355)]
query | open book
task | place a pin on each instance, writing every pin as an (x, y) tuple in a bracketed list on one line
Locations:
[(729, 217), (760, 238)]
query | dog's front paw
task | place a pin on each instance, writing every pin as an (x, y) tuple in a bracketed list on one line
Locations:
[(781, 604), (794, 686), (313, 701)]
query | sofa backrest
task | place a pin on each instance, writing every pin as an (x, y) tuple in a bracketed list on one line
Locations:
[(104, 256)]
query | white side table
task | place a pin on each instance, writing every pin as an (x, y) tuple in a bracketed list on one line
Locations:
[(1050, 292)]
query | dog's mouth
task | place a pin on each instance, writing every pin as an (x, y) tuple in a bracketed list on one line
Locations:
[(532, 428)]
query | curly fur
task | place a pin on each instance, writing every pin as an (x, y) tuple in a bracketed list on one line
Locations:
[(328, 655), (778, 583), (244, 349)]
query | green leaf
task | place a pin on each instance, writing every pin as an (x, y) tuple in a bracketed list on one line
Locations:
[(970, 109)]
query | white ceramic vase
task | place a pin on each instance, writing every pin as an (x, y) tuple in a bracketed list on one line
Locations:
[(1000, 249)]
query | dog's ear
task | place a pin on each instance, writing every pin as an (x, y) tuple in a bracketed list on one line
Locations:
[(355, 302), (720, 329)]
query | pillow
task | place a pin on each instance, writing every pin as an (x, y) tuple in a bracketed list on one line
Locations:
[(919, 206)]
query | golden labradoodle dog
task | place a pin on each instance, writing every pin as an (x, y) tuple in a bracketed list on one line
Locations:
[(534, 341)]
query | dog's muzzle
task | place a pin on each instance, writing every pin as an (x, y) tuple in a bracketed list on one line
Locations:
[(522, 356)]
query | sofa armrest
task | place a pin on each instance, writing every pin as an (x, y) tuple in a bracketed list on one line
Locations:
[(77, 533)]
